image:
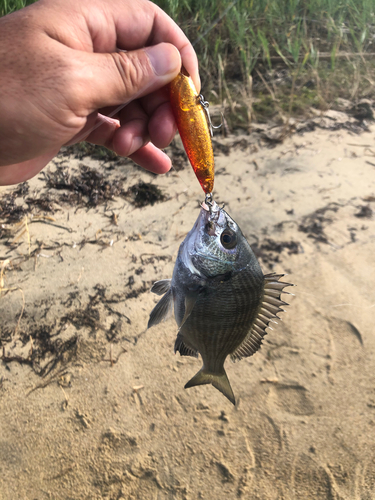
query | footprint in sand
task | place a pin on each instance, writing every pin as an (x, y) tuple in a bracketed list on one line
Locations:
[(291, 398), (265, 441), (310, 480), (346, 343), (367, 480)]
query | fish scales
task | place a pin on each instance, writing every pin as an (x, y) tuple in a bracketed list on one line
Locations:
[(222, 301), (232, 310)]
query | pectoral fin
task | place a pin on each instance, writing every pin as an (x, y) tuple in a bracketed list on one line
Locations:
[(219, 381), (160, 287), (190, 300), (162, 310)]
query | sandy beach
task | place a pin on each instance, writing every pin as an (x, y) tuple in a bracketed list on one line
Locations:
[(93, 406)]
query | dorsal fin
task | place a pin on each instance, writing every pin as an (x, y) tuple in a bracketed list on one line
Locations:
[(268, 310)]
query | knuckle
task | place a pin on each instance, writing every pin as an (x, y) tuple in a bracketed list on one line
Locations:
[(133, 69)]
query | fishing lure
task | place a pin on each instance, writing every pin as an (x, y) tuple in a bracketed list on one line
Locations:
[(195, 128)]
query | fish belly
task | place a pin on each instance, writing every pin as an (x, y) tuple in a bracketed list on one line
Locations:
[(220, 321)]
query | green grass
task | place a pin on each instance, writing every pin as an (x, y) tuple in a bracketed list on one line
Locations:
[(8, 6), (244, 45), (322, 43)]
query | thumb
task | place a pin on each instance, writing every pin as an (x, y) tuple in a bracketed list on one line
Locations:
[(121, 77)]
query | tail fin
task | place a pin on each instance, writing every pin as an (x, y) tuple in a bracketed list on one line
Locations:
[(219, 381)]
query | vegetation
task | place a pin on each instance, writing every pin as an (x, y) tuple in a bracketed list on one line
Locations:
[(8, 6), (272, 57), (276, 59)]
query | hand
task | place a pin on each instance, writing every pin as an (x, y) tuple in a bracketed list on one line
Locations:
[(66, 65)]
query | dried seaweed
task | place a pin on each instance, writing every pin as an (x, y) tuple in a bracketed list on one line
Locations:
[(269, 250), (313, 224), (145, 193), (88, 187), (47, 349), (365, 211), (10, 211), (46, 343), (44, 203), (84, 149)]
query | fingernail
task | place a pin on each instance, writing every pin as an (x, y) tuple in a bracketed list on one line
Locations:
[(137, 143), (164, 58)]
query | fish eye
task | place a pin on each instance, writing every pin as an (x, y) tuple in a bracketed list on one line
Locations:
[(228, 239)]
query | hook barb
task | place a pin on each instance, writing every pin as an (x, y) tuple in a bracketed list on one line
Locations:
[(205, 105)]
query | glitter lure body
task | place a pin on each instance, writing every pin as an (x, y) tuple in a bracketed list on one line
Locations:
[(194, 129)]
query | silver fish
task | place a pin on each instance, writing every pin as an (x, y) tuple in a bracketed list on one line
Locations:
[(222, 301)]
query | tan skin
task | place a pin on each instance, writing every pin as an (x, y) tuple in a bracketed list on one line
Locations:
[(64, 71)]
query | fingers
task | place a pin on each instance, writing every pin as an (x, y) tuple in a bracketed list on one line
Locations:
[(150, 119), (133, 133), (162, 126), (110, 79), (77, 69), (151, 158), (99, 129)]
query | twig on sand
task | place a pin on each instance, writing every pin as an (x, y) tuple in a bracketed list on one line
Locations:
[(3, 289), (111, 359), (49, 381)]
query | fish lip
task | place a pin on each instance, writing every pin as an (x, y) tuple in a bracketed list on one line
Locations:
[(213, 215), (210, 219)]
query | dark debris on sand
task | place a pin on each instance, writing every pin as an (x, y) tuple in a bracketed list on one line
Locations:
[(10, 211), (365, 211), (91, 188), (86, 187), (144, 193), (314, 223), (48, 350), (47, 345), (86, 149), (269, 250)]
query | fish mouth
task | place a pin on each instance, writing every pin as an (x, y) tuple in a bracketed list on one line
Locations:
[(212, 215)]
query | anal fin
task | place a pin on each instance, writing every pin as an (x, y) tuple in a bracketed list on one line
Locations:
[(183, 349)]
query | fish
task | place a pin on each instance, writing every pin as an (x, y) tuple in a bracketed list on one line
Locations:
[(221, 299), (194, 128)]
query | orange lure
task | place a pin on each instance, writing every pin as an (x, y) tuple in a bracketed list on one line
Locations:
[(194, 130)]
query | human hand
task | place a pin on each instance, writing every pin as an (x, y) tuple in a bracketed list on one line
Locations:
[(65, 73)]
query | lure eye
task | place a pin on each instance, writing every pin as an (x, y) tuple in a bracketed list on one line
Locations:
[(228, 239)]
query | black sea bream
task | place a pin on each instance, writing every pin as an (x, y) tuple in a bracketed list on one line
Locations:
[(222, 301)]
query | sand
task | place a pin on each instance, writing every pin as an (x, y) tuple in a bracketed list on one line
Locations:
[(98, 409)]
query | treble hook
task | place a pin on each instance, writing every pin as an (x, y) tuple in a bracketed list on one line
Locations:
[(209, 202), (213, 208), (205, 105)]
